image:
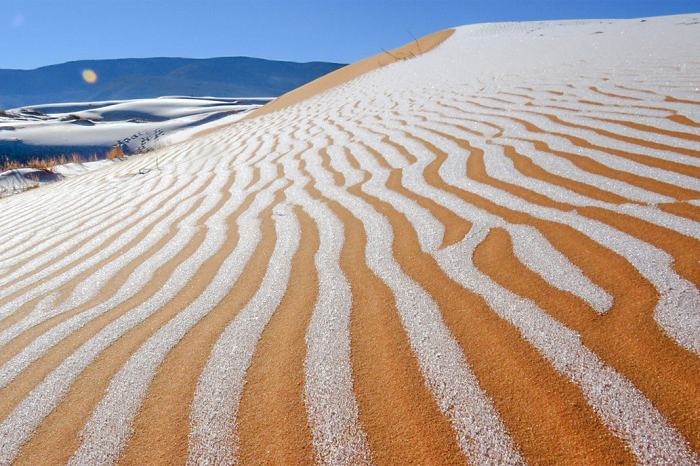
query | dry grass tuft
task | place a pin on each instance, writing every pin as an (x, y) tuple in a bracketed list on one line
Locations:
[(116, 152), (47, 164), (42, 164)]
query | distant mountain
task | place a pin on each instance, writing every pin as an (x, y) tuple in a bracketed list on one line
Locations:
[(136, 78)]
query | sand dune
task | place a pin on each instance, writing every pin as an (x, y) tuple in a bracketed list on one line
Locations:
[(484, 254), (92, 128)]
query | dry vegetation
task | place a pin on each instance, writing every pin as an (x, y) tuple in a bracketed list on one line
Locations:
[(47, 164)]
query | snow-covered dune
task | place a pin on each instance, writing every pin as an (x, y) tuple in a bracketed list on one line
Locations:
[(93, 128), (486, 254)]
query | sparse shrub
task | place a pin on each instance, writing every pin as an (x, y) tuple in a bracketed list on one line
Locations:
[(43, 164), (116, 152), (9, 165), (47, 164)]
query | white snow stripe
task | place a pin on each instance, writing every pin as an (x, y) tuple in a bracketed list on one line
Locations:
[(677, 312), (619, 403), (16, 429), (333, 412), (106, 433), (453, 172), (441, 361), (502, 168), (134, 284), (530, 246), (178, 207), (213, 438), (60, 244), (91, 286), (537, 254)]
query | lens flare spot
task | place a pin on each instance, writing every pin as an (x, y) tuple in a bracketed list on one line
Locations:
[(90, 76)]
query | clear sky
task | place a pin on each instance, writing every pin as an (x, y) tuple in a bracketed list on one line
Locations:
[(35, 33)]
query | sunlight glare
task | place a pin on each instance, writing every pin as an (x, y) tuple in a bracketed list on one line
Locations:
[(90, 76)]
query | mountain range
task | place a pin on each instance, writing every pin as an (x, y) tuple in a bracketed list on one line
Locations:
[(135, 78)]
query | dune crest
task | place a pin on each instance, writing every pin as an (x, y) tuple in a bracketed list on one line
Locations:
[(346, 73)]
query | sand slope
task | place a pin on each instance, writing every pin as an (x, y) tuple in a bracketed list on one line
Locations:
[(488, 254)]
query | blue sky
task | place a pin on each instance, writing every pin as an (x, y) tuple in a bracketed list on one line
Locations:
[(42, 32)]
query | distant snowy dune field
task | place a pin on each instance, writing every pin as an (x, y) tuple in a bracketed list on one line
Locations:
[(93, 128), (88, 131), (484, 253)]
